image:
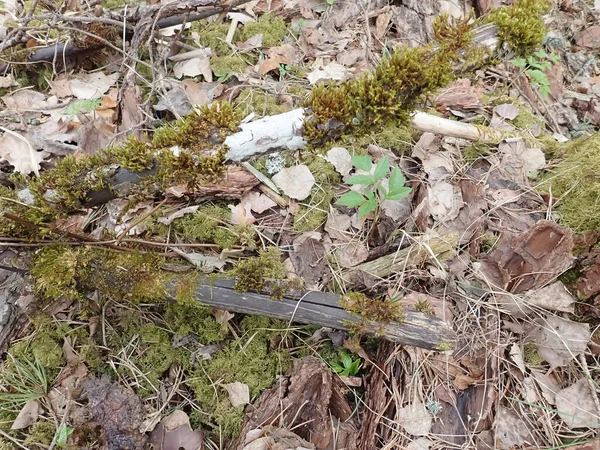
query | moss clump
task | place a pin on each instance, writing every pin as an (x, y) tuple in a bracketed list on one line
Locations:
[(39, 434), (372, 312), (53, 270), (260, 103), (207, 225), (250, 360), (521, 25), (251, 273), (272, 28), (574, 182), (225, 66), (194, 319), (45, 347), (314, 215), (133, 276), (531, 355), (393, 136), (391, 92), (213, 35)]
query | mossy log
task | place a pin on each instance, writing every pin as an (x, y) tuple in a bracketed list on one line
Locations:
[(317, 308)]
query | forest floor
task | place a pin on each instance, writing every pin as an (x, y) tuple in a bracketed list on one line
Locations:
[(158, 292)]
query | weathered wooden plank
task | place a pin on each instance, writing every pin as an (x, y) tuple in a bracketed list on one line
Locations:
[(419, 330)]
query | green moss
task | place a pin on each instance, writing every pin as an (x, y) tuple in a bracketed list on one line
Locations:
[(475, 150), (313, 216), (134, 276), (531, 355), (65, 188), (521, 25), (184, 320), (250, 360), (251, 273), (574, 184), (208, 225), (390, 92), (53, 270), (46, 348), (393, 136), (260, 103), (39, 434), (225, 66), (272, 28), (213, 35), (372, 311)]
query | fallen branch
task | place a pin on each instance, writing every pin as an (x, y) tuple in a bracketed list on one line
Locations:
[(419, 330)]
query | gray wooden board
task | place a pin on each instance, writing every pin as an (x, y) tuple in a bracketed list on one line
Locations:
[(419, 330)]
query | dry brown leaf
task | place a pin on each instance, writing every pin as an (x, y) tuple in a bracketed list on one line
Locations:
[(296, 181), (341, 160), (17, 150), (60, 87), (239, 393), (560, 340), (463, 382), (174, 433), (258, 202), (510, 429), (352, 254), (92, 85), (271, 64), (333, 71), (576, 406), (337, 226), (223, 317), (28, 415), (241, 214), (415, 419)]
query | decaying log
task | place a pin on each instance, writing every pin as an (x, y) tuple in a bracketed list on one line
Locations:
[(419, 330)]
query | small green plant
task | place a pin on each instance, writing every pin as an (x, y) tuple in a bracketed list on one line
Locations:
[(349, 367), (62, 435), (22, 380), (534, 66), (374, 192), (85, 106)]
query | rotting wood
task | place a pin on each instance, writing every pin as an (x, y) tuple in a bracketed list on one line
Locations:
[(425, 248), (418, 329)]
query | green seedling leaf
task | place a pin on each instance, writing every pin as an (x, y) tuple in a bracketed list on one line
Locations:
[(362, 162), (351, 199), (360, 179), (540, 54), (397, 180), (370, 194), (398, 194), (382, 191), (519, 62), (554, 57), (539, 77), (382, 168), (367, 207), (346, 359), (63, 434), (354, 367), (544, 90), (336, 367)]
